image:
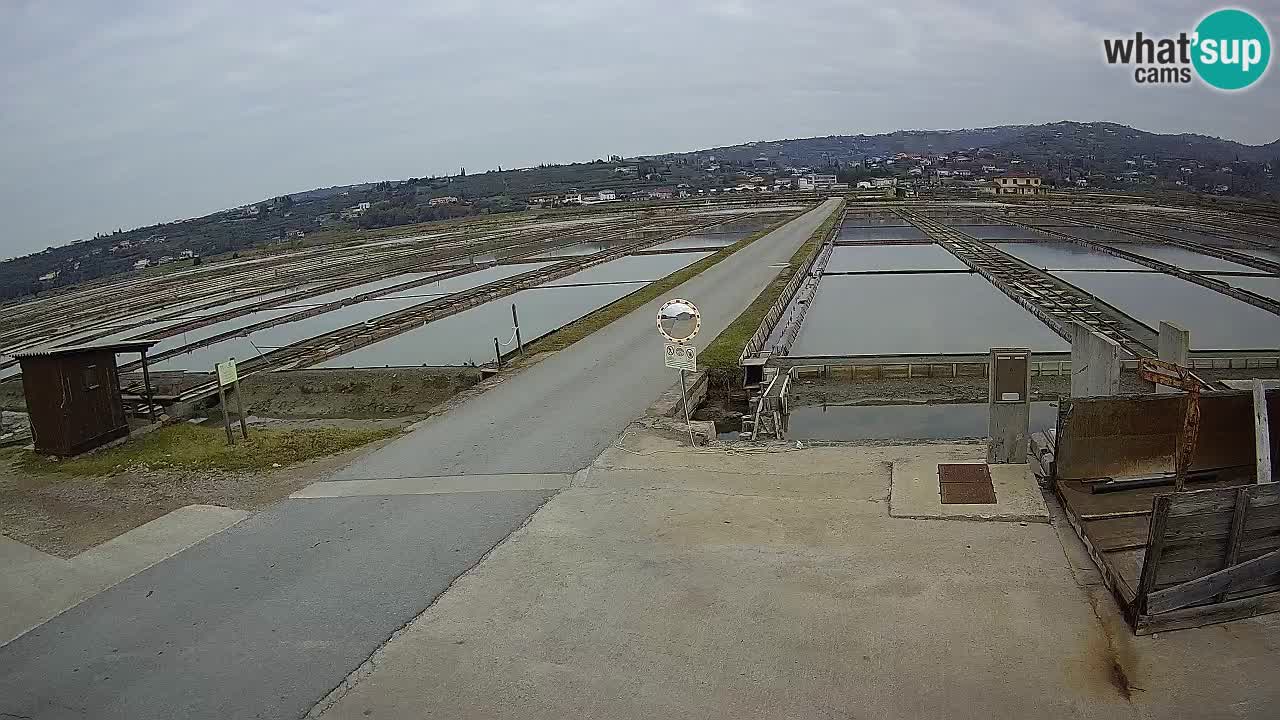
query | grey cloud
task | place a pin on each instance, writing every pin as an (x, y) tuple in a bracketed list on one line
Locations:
[(126, 113)]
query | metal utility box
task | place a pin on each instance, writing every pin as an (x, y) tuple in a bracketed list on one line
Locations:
[(1009, 376), (73, 395), (1009, 371)]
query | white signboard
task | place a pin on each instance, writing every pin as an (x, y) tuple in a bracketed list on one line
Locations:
[(681, 356), (227, 372)]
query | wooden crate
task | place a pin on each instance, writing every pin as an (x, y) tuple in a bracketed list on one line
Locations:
[(1172, 559)]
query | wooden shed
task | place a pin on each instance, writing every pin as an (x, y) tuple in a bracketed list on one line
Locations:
[(73, 394)]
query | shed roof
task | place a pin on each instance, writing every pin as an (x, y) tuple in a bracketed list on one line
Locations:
[(53, 350)]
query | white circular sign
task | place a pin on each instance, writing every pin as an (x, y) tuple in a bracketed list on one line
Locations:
[(679, 320)]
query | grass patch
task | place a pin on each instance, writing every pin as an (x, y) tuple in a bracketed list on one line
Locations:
[(723, 352), (584, 326), (193, 447)]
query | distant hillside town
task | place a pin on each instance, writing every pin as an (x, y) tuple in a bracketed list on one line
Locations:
[(1016, 159)]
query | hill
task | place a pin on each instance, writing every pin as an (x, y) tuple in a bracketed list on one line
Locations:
[(1102, 154)]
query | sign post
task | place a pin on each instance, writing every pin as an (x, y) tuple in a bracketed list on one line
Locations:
[(678, 322), (228, 377)]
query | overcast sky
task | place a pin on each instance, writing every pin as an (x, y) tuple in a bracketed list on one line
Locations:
[(123, 113)]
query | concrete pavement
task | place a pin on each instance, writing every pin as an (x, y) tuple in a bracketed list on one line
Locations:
[(38, 586), (670, 582), (264, 619)]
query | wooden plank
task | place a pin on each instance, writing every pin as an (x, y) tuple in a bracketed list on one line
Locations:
[(1155, 545), (1194, 617), (1122, 591), (1261, 432), (1217, 526), (1237, 529), (1206, 587), (1121, 533), (1196, 502), (1187, 561)]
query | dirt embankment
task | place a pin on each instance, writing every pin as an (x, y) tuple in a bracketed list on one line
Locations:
[(356, 394)]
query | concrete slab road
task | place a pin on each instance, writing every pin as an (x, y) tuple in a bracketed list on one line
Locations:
[(264, 619)]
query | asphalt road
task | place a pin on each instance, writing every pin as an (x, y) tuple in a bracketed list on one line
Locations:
[(263, 619), (558, 415)]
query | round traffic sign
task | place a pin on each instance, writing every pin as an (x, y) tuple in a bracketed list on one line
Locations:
[(679, 320)]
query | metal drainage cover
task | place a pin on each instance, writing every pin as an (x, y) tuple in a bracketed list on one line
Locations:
[(965, 484)]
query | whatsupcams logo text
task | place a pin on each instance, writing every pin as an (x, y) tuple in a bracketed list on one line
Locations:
[(1228, 50)]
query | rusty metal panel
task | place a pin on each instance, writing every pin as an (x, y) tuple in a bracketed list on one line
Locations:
[(964, 473), (968, 494), (1010, 379), (965, 484), (1136, 435)]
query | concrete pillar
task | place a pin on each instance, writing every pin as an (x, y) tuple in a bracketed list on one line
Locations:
[(1009, 381), (1173, 346), (1095, 363)]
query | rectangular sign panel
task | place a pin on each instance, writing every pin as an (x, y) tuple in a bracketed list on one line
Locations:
[(681, 356), (227, 373)]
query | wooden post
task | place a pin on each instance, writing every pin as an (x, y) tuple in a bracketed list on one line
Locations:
[(146, 384), (1238, 519), (497, 352), (244, 428), (226, 419), (516, 321), (1155, 548), (1261, 431)]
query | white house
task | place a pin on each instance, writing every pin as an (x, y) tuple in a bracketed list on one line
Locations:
[(143, 263), (822, 182), (606, 196), (1017, 183)]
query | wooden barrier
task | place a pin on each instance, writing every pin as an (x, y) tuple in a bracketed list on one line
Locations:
[(1173, 559), (1210, 548)]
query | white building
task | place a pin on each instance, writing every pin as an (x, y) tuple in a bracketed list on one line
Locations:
[(606, 196), (1017, 184), (822, 182), (143, 263)]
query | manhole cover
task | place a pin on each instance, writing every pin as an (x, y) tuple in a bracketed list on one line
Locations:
[(968, 494), (967, 484), (964, 473)]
